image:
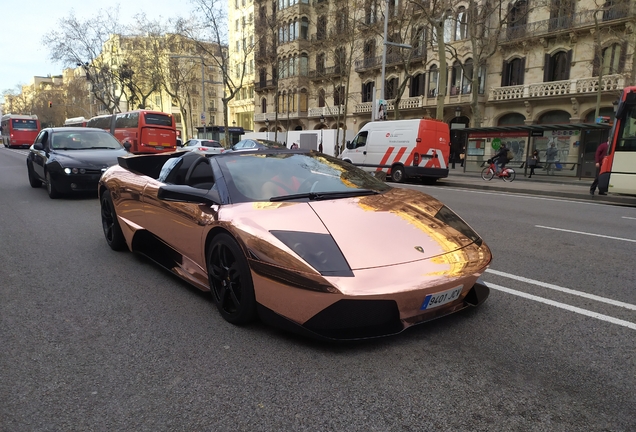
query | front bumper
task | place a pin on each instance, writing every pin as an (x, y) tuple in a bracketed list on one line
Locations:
[(351, 319)]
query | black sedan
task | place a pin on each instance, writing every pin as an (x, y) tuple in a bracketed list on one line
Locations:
[(71, 159)]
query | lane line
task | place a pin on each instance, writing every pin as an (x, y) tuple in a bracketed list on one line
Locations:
[(567, 307), (585, 233), (627, 217), (564, 290)]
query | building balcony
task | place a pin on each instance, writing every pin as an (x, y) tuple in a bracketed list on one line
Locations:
[(369, 63), (420, 102), (326, 111), (582, 86), (282, 116), (580, 20), (324, 73), (265, 85)]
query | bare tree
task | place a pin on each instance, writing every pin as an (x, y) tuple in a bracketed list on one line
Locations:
[(211, 36), (81, 43)]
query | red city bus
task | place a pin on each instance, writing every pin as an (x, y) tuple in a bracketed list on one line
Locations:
[(146, 131), (19, 130), (618, 172)]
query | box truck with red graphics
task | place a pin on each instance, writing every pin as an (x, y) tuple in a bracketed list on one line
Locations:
[(402, 149)]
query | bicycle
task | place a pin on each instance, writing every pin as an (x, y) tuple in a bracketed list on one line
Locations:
[(508, 174)]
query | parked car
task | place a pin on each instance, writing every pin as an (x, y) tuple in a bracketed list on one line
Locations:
[(71, 159), (256, 144), (203, 146), (300, 239)]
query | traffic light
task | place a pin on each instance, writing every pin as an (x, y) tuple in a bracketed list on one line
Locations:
[(50, 104)]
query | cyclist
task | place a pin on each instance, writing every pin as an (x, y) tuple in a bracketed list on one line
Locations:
[(501, 159)]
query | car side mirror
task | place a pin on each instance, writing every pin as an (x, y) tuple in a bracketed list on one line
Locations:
[(127, 146), (38, 146), (350, 145), (182, 193)]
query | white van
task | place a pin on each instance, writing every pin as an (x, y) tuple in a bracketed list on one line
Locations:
[(402, 149)]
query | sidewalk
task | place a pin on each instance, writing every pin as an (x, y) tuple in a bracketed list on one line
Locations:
[(555, 186)]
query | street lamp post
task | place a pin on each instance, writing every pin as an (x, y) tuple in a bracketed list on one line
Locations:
[(322, 126), (384, 45)]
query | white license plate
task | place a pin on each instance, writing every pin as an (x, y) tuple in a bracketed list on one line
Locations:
[(434, 300)]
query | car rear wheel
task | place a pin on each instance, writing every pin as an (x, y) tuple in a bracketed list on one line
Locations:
[(33, 180), (50, 187), (397, 174), (110, 225), (230, 280)]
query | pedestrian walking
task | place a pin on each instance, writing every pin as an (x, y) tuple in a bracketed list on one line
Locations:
[(462, 156), (533, 162), (601, 152)]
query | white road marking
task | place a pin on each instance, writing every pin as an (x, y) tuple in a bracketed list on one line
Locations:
[(586, 233), (564, 290), (567, 307), (627, 217)]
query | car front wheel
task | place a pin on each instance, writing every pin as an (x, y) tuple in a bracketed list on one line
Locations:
[(230, 280), (50, 187)]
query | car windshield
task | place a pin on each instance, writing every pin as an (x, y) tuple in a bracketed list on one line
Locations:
[(279, 176), (84, 140)]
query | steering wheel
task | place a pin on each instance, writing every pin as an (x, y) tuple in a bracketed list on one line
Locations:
[(305, 186), (196, 163)]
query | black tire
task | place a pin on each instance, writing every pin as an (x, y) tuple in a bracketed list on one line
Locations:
[(397, 174), (110, 224), (230, 280), (50, 187), (34, 181)]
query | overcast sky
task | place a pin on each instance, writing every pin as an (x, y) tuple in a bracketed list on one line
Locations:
[(24, 23)]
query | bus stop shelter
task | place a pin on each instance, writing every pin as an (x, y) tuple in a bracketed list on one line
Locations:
[(576, 144)]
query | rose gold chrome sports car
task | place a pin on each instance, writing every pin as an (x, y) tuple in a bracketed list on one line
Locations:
[(300, 239)]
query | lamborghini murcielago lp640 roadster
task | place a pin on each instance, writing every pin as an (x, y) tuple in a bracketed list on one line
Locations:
[(297, 238)]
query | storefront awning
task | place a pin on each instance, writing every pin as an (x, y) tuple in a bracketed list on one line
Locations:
[(536, 128)]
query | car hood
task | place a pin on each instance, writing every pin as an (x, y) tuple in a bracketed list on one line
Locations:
[(388, 229), (92, 159), (395, 227)]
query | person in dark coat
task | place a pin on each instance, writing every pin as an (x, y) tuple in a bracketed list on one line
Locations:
[(533, 162), (601, 152), (501, 158)]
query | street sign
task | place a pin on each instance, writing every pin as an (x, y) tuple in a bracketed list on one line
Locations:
[(496, 143), (203, 118)]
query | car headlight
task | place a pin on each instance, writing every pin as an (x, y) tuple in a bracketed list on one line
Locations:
[(70, 171), (451, 219), (319, 251)]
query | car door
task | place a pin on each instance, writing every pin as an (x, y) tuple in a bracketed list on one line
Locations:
[(358, 153), (40, 157)]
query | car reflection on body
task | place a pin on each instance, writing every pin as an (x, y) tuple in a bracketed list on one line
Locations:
[(256, 144), (298, 238), (203, 146), (71, 159)]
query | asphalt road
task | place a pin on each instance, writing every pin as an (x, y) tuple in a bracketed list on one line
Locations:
[(92, 339)]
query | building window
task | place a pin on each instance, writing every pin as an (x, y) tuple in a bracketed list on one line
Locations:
[(304, 65), (321, 26), (369, 53), (557, 66), (320, 63), (263, 105), (321, 98), (368, 91), (456, 78), (417, 85), (513, 72), (338, 96), (304, 28), (433, 81), (303, 100), (467, 79), (561, 13), (461, 25), (613, 60), (390, 88)]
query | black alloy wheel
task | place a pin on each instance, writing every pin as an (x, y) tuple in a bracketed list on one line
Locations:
[(33, 180), (50, 187), (230, 280), (110, 225)]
